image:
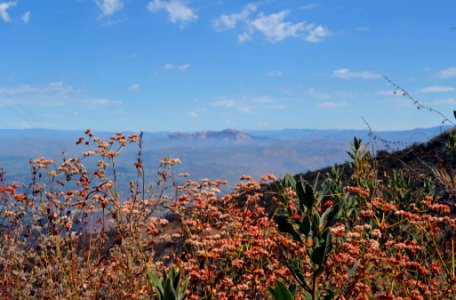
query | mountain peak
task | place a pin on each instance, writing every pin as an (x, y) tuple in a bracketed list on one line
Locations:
[(223, 135)]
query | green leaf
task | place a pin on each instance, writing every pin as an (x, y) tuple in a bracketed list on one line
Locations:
[(285, 226), (305, 194), (320, 254), (157, 283), (305, 226), (281, 292), (292, 289), (316, 224), (181, 295), (297, 274), (331, 214), (289, 181), (175, 278), (329, 295), (170, 292), (349, 277), (272, 291), (454, 113)]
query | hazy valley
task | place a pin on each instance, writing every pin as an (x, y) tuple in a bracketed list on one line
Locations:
[(226, 154)]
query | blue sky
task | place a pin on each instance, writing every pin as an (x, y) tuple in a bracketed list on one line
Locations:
[(180, 65)]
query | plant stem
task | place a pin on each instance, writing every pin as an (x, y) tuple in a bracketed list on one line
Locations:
[(452, 256), (314, 287)]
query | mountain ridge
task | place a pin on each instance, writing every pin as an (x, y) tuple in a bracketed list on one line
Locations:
[(224, 135)]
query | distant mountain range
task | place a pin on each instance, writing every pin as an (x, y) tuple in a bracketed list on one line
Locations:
[(225, 154), (231, 135)]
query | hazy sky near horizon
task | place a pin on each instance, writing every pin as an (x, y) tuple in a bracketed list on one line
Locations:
[(179, 65)]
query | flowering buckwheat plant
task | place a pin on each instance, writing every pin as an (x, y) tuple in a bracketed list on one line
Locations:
[(72, 233)]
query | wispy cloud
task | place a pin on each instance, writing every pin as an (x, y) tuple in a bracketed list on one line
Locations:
[(110, 22), (178, 10), (265, 102), (274, 27), (316, 33), (448, 101), (308, 6), (226, 103), (53, 87), (262, 99), (397, 101), (231, 21), (26, 17), (245, 109), (274, 73), (99, 102), (436, 89), (330, 104), (51, 94), (4, 7), (134, 87), (244, 37), (362, 28), (389, 93), (447, 73), (248, 104), (193, 114), (109, 7), (348, 74), (174, 67), (331, 94)]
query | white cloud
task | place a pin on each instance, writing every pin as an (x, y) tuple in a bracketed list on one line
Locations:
[(262, 99), (265, 101), (333, 104), (4, 7), (316, 33), (448, 101), (231, 21), (109, 7), (331, 95), (348, 74), (99, 102), (53, 87), (111, 22), (170, 66), (362, 28), (248, 104), (447, 73), (193, 114), (178, 11), (397, 101), (244, 37), (26, 17), (179, 68), (134, 87), (51, 94), (183, 68), (436, 89), (226, 103), (308, 6), (245, 109), (274, 73), (274, 28), (389, 93)]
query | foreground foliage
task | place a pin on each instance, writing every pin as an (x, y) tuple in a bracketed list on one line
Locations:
[(71, 234)]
